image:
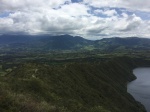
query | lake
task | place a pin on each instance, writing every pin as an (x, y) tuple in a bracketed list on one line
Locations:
[(140, 88)]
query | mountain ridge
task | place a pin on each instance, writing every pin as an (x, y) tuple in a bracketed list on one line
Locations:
[(67, 42)]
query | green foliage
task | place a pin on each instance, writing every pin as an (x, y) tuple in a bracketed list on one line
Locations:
[(98, 109), (74, 87), (72, 75)]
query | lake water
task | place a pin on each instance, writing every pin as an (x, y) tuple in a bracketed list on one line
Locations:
[(140, 88)]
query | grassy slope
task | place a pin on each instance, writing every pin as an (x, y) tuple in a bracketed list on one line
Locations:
[(72, 87)]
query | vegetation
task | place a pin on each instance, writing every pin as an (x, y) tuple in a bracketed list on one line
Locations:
[(74, 87), (44, 43), (48, 74)]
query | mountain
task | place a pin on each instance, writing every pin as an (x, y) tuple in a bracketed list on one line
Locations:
[(67, 42), (44, 42), (74, 87), (129, 43)]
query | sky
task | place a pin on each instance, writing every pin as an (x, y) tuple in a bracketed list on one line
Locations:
[(91, 19)]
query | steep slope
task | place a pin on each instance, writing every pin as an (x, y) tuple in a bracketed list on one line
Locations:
[(65, 42), (89, 87)]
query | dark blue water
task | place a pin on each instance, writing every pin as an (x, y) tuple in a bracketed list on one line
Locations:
[(140, 88)]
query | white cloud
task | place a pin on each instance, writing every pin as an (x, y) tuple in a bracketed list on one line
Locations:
[(63, 17), (128, 23), (130, 4), (75, 9), (106, 12), (102, 3), (110, 12), (7, 5)]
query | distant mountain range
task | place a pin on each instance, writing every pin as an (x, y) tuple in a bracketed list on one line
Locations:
[(67, 42)]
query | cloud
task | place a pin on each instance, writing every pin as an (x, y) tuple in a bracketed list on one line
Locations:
[(10, 5), (90, 19), (75, 10), (106, 12), (128, 23), (129, 4)]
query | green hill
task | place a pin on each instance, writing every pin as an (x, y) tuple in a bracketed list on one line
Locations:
[(67, 42), (122, 44), (74, 87)]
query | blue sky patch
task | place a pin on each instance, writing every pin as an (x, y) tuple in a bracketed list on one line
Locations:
[(76, 1), (4, 14)]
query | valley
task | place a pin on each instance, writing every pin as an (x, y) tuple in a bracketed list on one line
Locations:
[(36, 74)]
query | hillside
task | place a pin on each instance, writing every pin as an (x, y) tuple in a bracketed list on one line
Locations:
[(66, 42), (74, 87), (43, 42), (119, 44)]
